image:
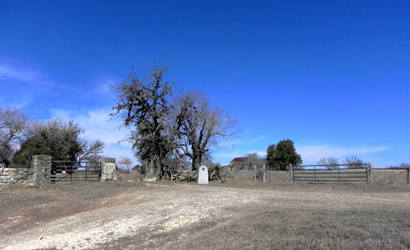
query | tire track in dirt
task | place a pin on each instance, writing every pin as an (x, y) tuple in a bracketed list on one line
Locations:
[(87, 229), (165, 208)]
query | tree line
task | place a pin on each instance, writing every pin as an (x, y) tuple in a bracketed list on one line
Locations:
[(283, 154), (168, 128), (20, 139)]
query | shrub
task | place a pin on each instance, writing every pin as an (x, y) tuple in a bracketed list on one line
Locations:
[(214, 172), (59, 140)]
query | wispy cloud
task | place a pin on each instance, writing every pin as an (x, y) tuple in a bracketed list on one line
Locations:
[(313, 153), (99, 125), (238, 146), (230, 155), (241, 141), (105, 82), (21, 74), (310, 153)]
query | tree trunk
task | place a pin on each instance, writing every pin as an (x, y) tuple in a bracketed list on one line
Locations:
[(194, 164), (195, 158), (153, 172)]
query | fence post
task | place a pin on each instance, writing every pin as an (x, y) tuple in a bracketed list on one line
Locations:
[(314, 174), (292, 173), (369, 173), (264, 172), (338, 172), (256, 173)]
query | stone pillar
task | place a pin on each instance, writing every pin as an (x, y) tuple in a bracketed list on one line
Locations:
[(108, 169), (41, 165)]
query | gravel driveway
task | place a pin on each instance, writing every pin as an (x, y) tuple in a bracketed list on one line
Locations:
[(130, 216)]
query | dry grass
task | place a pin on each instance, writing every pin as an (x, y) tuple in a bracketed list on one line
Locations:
[(132, 177), (219, 216), (22, 207), (316, 217), (265, 227)]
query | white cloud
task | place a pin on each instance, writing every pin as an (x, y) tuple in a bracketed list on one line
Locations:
[(22, 74), (247, 140), (313, 153), (310, 153), (105, 82), (238, 147), (99, 125), (231, 155)]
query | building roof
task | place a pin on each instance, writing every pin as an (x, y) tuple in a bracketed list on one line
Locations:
[(239, 160)]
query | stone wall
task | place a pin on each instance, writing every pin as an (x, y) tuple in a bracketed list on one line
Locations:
[(16, 176), (38, 173), (389, 177), (377, 177), (278, 177), (248, 176)]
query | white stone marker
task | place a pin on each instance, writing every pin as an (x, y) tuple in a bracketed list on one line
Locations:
[(203, 178)]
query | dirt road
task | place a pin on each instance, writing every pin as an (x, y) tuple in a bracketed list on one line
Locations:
[(186, 216)]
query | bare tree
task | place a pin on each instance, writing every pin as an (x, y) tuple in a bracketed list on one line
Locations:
[(253, 160), (404, 165), (330, 162), (126, 162), (90, 152), (144, 108), (355, 162), (12, 127), (199, 126)]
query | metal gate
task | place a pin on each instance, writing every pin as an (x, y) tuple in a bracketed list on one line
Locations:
[(72, 171), (341, 173)]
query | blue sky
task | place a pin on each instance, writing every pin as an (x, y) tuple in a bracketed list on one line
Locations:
[(333, 76)]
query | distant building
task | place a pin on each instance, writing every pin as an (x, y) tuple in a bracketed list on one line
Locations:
[(240, 163)]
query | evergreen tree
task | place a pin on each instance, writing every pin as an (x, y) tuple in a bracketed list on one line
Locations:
[(58, 139), (282, 155)]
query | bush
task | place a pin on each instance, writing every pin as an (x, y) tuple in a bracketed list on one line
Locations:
[(214, 172), (59, 140)]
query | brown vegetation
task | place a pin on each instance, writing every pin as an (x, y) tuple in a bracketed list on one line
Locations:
[(176, 216)]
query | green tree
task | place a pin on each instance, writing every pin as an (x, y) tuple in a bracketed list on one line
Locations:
[(282, 155), (58, 139), (270, 157)]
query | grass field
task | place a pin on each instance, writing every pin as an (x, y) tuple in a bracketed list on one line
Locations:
[(182, 216)]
